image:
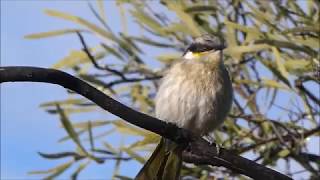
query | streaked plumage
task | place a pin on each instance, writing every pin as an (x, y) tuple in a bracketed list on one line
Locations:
[(196, 94)]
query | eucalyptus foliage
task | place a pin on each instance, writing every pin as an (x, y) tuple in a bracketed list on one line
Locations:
[(272, 57)]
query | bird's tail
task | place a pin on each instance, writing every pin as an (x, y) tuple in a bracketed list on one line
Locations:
[(164, 163)]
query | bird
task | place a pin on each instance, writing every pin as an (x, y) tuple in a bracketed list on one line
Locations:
[(196, 94)]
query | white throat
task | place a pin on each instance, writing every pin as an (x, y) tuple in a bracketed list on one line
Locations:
[(189, 55)]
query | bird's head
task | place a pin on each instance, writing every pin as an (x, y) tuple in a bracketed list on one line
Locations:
[(204, 47)]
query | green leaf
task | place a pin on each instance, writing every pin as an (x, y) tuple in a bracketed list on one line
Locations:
[(68, 137), (246, 49), (273, 84), (149, 41), (134, 155), (303, 29), (272, 67), (110, 147), (150, 139), (53, 33), (70, 101), (99, 31), (90, 135), (126, 128), (103, 134), (284, 153), (279, 63), (200, 8), (72, 110), (77, 57), (101, 10), (185, 18), (60, 155), (168, 58), (121, 177), (79, 169), (147, 20), (69, 128), (113, 52), (95, 123), (176, 27), (100, 84), (249, 30), (58, 170), (264, 82), (298, 65), (54, 171)]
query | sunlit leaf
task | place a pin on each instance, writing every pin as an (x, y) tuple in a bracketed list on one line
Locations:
[(69, 128), (134, 155), (284, 153), (79, 169), (76, 58), (298, 65), (53, 33), (273, 68), (110, 147), (147, 20), (121, 177), (94, 123), (200, 8), (65, 138), (101, 9), (90, 135), (54, 172), (279, 63), (151, 42), (150, 139), (99, 31), (168, 58), (70, 101), (185, 18), (72, 110), (126, 128)]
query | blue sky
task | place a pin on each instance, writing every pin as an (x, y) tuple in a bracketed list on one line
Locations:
[(25, 127)]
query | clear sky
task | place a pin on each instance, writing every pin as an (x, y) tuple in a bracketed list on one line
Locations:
[(25, 127)]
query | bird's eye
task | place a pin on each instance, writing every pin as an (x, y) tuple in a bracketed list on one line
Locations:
[(200, 47)]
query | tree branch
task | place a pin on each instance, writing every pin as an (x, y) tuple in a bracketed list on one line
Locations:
[(198, 150)]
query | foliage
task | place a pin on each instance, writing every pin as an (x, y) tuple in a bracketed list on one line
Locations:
[(272, 56)]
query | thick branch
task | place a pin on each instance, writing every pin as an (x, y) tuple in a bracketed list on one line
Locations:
[(199, 151)]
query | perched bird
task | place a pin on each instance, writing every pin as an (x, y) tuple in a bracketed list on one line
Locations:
[(195, 94)]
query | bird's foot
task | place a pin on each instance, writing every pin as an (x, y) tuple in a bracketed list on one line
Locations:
[(210, 139), (218, 149)]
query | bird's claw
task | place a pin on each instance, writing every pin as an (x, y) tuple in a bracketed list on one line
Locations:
[(218, 149)]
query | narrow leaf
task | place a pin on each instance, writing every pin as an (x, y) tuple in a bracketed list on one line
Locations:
[(90, 135), (69, 128), (99, 31), (134, 155), (59, 169), (53, 33), (79, 169)]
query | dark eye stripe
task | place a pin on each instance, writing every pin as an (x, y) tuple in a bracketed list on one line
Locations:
[(198, 47)]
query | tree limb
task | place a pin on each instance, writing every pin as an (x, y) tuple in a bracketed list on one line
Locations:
[(198, 150)]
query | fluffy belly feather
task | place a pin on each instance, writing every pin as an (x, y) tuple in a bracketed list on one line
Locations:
[(194, 96)]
